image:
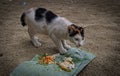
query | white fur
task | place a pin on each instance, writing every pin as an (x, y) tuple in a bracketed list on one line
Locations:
[(57, 30)]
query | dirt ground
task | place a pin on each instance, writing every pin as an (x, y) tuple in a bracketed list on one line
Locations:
[(102, 34)]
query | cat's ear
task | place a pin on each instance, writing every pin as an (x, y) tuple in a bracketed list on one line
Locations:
[(72, 31), (83, 25)]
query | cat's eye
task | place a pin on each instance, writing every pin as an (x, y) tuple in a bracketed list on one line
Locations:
[(77, 39)]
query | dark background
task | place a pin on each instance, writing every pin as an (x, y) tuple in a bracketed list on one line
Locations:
[(102, 18)]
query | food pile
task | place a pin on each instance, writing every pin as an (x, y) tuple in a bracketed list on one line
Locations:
[(67, 64)]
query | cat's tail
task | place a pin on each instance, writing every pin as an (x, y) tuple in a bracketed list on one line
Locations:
[(22, 19)]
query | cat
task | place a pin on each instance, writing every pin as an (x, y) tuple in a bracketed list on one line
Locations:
[(59, 29)]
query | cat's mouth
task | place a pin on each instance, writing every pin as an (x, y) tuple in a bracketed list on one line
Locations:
[(79, 45)]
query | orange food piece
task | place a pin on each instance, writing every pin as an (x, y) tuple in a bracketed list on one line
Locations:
[(48, 59)]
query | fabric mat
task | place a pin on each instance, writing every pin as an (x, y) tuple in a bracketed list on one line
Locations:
[(31, 68)]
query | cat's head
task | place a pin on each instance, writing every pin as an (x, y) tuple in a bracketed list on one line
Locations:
[(76, 34)]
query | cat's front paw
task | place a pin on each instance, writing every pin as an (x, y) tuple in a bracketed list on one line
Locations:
[(67, 47), (62, 51), (36, 43)]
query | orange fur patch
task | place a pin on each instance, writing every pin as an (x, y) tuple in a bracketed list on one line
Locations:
[(73, 28)]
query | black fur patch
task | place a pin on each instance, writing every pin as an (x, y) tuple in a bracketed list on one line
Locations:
[(73, 33), (50, 16), (22, 19), (39, 13), (82, 32)]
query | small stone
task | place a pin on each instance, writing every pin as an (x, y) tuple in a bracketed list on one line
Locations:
[(23, 3), (1, 54)]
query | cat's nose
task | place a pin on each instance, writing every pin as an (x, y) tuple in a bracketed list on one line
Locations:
[(79, 45)]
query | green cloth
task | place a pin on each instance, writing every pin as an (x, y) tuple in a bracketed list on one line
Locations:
[(32, 68)]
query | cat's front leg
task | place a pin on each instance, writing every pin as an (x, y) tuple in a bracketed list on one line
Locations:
[(34, 38), (59, 44), (65, 45)]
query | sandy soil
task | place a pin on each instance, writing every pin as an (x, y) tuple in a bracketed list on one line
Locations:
[(102, 34)]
